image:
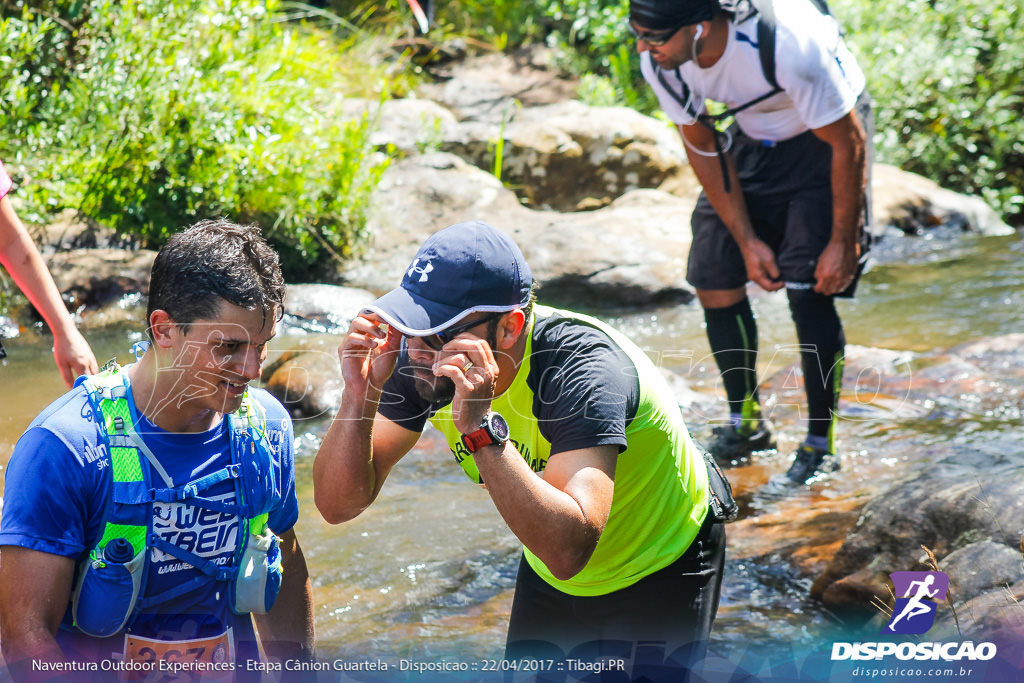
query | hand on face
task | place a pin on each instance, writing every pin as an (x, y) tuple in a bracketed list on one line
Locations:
[(368, 353), (469, 363)]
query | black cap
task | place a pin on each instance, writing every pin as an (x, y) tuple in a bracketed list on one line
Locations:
[(662, 15)]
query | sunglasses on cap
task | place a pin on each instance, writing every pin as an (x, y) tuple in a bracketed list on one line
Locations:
[(655, 39), (437, 340)]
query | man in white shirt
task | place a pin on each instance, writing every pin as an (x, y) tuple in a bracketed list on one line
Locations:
[(784, 193)]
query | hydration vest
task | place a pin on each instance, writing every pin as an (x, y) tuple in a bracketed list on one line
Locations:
[(661, 481), (255, 566)]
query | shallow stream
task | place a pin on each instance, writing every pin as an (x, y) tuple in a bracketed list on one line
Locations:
[(427, 573)]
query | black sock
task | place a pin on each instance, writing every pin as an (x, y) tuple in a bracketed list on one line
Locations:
[(822, 343), (732, 334)]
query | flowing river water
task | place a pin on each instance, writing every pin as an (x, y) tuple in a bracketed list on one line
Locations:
[(427, 572)]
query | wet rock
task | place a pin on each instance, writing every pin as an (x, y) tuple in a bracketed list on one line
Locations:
[(994, 616), (980, 567), (631, 253), (324, 308), (969, 498), (307, 379)]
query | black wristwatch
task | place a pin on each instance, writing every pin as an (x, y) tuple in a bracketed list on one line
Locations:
[(493, 431)]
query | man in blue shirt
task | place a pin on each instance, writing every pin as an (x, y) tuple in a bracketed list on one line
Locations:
[(184, 413)]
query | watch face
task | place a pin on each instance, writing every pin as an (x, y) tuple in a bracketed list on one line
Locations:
[(499, 428)]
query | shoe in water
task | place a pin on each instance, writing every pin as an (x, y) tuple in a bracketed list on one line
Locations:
[(808, 463), (728, 445)]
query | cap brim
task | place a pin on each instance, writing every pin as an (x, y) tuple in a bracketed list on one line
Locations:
[(413, 315)]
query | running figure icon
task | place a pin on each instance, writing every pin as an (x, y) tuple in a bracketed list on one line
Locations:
[(914, 607), (917, 596)]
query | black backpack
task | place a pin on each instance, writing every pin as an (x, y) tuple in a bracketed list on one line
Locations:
[(766, 38)]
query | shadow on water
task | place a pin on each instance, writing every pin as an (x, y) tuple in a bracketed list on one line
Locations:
[(428, 571)]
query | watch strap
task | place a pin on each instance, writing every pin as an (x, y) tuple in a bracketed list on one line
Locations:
[(474, 441)]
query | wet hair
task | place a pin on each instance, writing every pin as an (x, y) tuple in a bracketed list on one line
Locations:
[(213, 261)]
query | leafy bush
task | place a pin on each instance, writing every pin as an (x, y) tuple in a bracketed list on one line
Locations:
[(148, 115), (947, 79)]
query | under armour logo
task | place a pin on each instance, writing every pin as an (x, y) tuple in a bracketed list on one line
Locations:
[(422, 270)]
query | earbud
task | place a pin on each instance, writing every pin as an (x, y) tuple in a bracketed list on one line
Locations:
[(699, 32)]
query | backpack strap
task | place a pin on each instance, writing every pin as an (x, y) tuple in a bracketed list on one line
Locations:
[(766, 43), (766, 24)]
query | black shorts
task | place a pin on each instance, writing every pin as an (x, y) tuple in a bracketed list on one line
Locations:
[(788, 192), (658, 627)]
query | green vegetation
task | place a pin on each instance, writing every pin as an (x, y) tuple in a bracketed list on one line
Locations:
[(948, 79), (148, 114)]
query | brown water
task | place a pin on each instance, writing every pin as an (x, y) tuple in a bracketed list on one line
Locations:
[(427, 572)]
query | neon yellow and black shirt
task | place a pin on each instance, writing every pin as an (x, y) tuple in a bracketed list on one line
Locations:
[(583, 384)]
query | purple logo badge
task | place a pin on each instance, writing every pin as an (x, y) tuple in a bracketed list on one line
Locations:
[(917, 594)]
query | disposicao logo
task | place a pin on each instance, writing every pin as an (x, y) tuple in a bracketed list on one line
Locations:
[(917, 597)]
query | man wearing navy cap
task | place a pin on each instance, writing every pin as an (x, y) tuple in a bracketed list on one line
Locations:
[(570, 427), (784, 198)]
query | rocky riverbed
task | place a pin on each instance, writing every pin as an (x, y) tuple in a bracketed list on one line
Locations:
[(932, 458)]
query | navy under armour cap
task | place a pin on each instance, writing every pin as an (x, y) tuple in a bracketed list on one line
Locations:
[(669, 14), (465, 268)]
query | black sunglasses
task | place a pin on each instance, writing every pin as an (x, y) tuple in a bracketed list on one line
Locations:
[(437, 340), (656, 39)]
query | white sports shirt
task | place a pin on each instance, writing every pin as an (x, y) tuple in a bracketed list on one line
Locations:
[(819, 77)]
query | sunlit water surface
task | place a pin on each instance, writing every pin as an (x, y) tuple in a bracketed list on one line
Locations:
[(427, 572)]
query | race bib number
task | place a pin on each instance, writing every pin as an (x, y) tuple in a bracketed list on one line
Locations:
[(206, 659)]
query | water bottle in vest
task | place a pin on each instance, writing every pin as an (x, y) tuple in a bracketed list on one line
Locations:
[(107, 588), (118, 551)]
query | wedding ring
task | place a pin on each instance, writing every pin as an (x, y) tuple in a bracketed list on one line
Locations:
[(467, 366)]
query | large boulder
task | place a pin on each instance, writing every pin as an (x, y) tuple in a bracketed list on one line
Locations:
[(969, 502), (914, 205), (416, 197), (568, 156), (629, 253)]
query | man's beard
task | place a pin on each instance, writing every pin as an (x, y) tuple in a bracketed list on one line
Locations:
[(432, 388)]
